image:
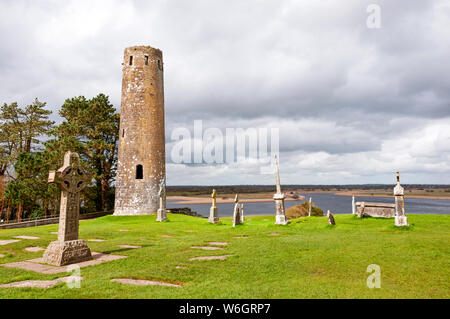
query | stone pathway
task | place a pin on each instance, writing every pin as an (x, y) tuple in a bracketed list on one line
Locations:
[(38, 266), (6, 242), (129, 246), (26, 237), (210, 257), (218, 243), (40, 283), (141, 282), (34, 249), (96, 240), (207, 248)]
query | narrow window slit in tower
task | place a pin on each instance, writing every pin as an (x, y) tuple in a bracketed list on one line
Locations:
[(131, 60), (146, 60), (123, 132), (139, 172)]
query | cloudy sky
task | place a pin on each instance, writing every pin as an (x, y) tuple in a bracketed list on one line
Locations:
[(353, 104)]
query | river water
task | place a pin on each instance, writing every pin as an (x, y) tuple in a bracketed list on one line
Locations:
[(326, 201)]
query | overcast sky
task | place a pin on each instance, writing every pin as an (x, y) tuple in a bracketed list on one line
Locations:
[(353, 104)]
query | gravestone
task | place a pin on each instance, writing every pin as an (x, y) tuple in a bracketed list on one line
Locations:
[(310, 207), (161, 213), (213, 211), (68, 249), (353, 205), (280, 217), (400, 216), (236, 212), (242, 213), (379, 210), (330, 218)]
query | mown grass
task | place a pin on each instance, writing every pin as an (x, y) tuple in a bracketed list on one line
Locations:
[(308, 259)]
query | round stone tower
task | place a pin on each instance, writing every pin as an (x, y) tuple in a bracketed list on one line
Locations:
[(141, 163)]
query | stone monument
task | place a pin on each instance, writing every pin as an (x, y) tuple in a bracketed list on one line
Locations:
[(161, 214), (280, 217), (68, 249), (379, 210), (330, 218), (236, 212), (360, 212), (400, 216), (310, 207), (213, 212), (242, 213), (353, 205)]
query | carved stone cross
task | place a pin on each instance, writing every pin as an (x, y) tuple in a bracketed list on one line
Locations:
[(68, 249), (72, 179), (213, 211)]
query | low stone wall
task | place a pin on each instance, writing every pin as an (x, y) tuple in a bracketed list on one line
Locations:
[(184, 211), (384, 210), (48, 221)]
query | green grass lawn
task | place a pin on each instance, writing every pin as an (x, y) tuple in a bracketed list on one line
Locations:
[(308, 259)]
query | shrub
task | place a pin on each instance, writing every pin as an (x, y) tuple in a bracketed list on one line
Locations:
[(302, 211)]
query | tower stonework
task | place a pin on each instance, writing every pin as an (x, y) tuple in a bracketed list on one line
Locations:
[(141, 164)]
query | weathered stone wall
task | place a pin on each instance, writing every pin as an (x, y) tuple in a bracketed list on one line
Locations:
[(142, 140), (376, 209)]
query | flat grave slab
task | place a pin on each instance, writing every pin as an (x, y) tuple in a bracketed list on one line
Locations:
[(206, 247), (218, 243), (27, 237), (8, 241), (210, 257), (141, 282), (39, 283), (34, 249), (129, 246), (37, 265)]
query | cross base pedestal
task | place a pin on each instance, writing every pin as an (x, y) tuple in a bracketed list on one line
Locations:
[(61, 253), (281, 220), (401, 221), (161, 215), (213, 218)]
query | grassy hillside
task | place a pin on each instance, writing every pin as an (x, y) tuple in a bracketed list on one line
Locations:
[(307, 259)]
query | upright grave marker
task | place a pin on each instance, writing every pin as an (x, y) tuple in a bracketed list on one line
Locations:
[(400, 216), (68, 249), (161, 213), (310, 207), (353, 205), (330, 218), (236, 212), (280, 217), (213, 214)]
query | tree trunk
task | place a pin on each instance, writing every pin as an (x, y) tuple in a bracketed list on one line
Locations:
[(8, 212), (45, 208), (28, 145), (19, 212)]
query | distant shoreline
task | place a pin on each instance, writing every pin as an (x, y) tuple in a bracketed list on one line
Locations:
[(378, 195), (186, 200)]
